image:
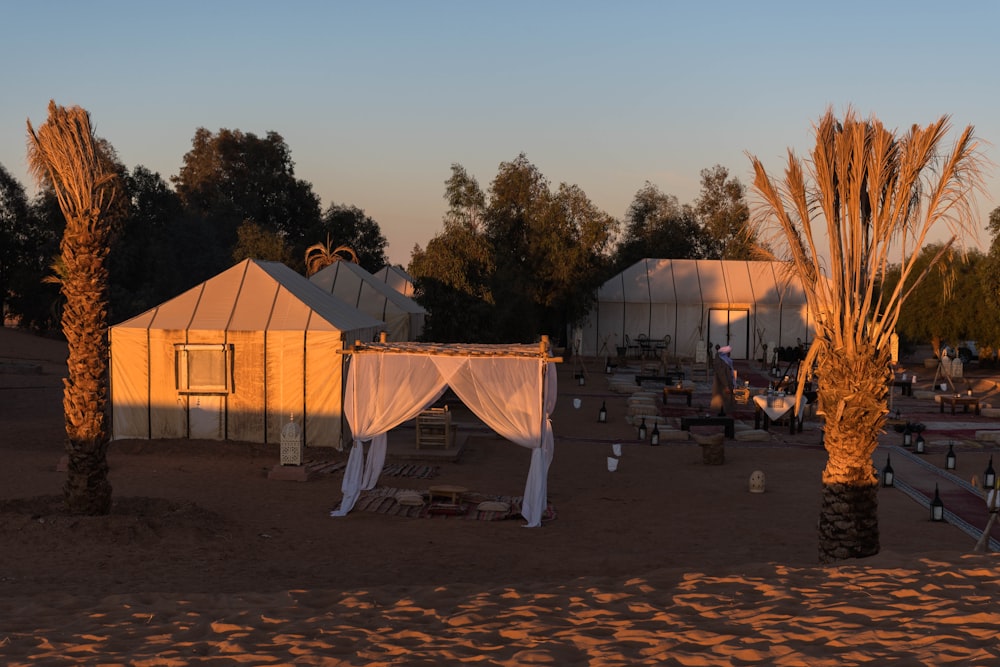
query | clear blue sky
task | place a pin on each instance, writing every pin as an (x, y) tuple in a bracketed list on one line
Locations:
[(376, 100)]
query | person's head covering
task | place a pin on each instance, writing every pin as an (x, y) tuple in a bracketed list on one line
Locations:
[(725, 349)]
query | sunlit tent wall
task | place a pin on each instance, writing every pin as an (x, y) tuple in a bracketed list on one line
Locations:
[(235, 358), (403, 317), (699, 302), (397, 279)]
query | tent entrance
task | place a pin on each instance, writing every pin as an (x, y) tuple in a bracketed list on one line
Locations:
[(205, 417), (730, 327)]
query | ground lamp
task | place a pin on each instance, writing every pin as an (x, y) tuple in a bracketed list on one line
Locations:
[(654, 437), (887, 475), (602, 416), (642, 429), (907, 435), (937, 507), (949, 459), (919, 444), (989, 477)]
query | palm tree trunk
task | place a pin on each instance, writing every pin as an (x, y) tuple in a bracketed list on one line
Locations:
[(85, 394), (852, 395)]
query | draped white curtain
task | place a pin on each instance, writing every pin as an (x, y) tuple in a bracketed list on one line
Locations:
[(512, 395)]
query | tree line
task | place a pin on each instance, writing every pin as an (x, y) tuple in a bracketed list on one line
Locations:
[(511, 263)]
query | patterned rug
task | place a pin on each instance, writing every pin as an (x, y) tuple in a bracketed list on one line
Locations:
[(382, 500)]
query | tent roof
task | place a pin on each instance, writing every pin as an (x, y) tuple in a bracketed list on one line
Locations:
[(700, 281), (540, 350), (396, 278), (328, 277), (256, 295)]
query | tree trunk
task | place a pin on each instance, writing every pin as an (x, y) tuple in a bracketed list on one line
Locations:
[(85, 393), (852, 400)]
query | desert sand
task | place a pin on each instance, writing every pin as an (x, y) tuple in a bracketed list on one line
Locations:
[(666, 561)]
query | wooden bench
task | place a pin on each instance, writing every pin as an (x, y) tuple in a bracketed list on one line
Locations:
[(434, 428), (727, 422)]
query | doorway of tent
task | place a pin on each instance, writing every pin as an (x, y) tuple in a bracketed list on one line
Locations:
[(730, 327), (205, 416)]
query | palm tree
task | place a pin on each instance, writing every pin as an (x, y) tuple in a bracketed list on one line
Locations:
[(876, 192), (65, 154), (319, 256)]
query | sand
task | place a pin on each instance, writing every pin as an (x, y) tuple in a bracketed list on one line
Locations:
[(667, 561)]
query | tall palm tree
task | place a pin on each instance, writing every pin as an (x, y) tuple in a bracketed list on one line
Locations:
[(320, 255), (876, 192), (65, 154)]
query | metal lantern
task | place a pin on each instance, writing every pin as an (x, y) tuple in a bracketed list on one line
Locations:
[(602, 416), (937, 507), (642, 429), (989, 477), (887, 474), (907, 435), (580, 379), (291, 443), (949, 459), (654, 437), (919, 444)]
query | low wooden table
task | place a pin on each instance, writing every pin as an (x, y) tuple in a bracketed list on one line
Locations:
[(677, 391), (965, 401), (727, 422), (450, 491), (773, 408)]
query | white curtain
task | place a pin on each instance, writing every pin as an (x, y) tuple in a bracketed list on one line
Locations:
[(513, 395)]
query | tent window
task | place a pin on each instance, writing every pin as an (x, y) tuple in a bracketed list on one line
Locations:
[(203, 369)]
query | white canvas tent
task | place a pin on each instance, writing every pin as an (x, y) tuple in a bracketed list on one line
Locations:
[(721, 302), (512, 388), (396, 278), (235, 358), (349, 282)]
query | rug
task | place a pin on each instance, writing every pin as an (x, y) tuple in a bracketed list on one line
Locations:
[(382, 500)]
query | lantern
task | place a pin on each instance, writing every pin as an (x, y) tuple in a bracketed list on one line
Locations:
[(919, 444), (602, 416), (887, 474), (937, 507), (654, 438), (989, 477), (949, 459), (642, 429), (907, 435)]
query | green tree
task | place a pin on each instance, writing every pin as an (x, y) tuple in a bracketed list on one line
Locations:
[(232, 177), (725, 216), (873, 192), (14, 243), (656, 225), (452, 275), (947, 305), (65, 154), (254, 241)]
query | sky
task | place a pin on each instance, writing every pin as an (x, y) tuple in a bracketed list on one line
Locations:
[(377, 100)]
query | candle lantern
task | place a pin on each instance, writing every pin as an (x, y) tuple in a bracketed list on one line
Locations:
[(990, 476), (949, 459), (907, 435), (937, 507), (642, 429), (654, 437), (887, 474), (602, 416), (919, 444)]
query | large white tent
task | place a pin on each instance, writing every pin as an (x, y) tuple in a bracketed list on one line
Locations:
[(699, 302), (235, 358), (349, 282)]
